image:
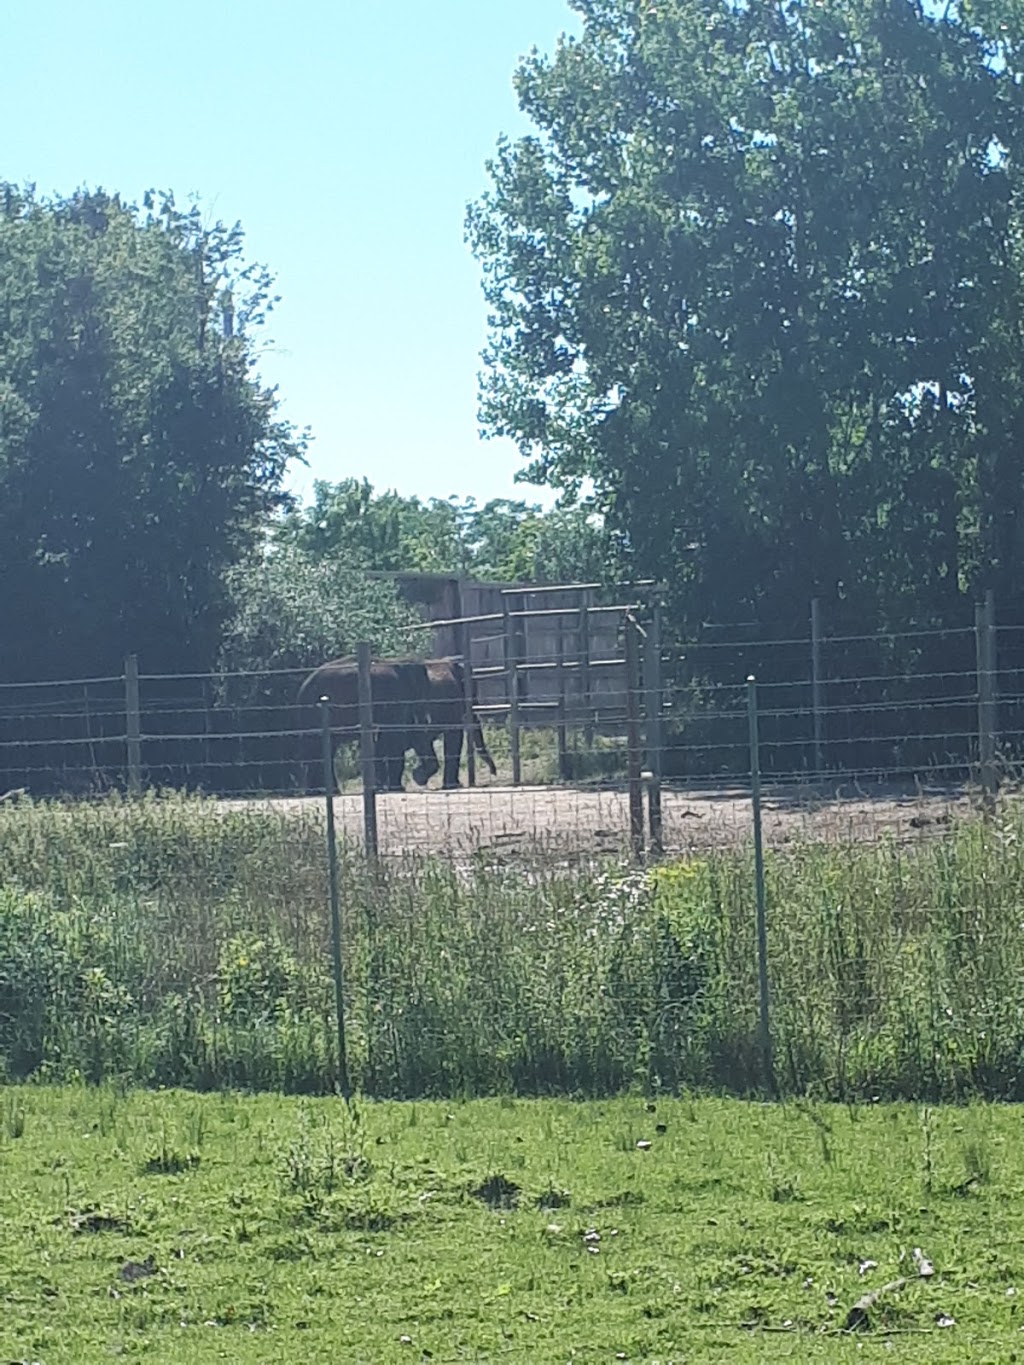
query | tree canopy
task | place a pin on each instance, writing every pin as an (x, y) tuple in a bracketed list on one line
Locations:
[(504, 540), (757, 276), (291, 609), (140, 456)]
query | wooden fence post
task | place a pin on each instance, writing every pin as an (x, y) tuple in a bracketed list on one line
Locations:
[(464, 647), (367, 751), (512, 682), (563, 745), (584, 654), (634, 768), (468, 714), (133, 723), (816, 687)]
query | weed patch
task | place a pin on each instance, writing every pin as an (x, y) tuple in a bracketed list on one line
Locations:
[(171, 942)]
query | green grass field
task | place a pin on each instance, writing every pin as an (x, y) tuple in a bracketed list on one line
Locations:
[(174, 1227), (470, 1210)]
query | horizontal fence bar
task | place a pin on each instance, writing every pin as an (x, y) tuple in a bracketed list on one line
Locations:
[(532, 613), (458, 621), (65, 682), (228, 673), (538, 613), (579, 587), (805, 640), (492, 708)]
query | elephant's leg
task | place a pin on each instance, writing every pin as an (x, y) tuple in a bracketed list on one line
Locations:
[(381, 773), (390, 759), (312, 767), (427, 764), (452, 754), (394, 772)]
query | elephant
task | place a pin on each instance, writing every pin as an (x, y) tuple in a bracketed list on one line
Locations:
[(446, 717), (398, 688), (414, 702)]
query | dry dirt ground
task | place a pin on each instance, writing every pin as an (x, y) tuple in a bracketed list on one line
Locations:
[(596, 820)]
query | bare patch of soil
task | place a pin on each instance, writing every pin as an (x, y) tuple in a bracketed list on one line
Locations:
[(504, 821)]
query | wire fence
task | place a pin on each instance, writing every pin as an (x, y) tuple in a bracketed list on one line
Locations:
[(857, 970), (587, 732)]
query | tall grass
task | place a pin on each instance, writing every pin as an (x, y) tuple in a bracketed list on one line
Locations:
[(170, 941)]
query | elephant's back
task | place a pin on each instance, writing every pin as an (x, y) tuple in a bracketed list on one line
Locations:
[(445, 678), (338, 680)]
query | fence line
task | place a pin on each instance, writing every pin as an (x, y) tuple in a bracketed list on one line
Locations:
[(571, 713)]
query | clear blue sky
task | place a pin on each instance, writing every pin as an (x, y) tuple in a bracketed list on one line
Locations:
[(347, 138)]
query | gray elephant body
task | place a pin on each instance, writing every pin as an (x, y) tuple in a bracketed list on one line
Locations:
[(446, 717), (413, 702), (398, 689)]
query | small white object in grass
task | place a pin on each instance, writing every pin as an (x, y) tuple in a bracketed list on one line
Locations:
[(405, 1341), (643, 1145), (865, 1266), (945, 1320), (924, 1266)]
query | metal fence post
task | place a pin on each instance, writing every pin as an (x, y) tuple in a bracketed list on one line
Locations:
[(984, 629), (133, 723), (762, 927), (366, 748), (816, 686), (655, 728), (327, 754), (634, 769), (512, 682)]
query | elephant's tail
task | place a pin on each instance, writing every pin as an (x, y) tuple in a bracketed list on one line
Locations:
[(481, 745)]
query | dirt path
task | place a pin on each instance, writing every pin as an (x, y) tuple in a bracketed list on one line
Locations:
[(574, 820)]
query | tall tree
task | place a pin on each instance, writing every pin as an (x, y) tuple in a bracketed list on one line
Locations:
[(139, 453), (757, 275), (505, 539)]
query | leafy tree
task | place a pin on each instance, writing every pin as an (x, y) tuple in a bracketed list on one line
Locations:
[(505, 540), (757, 276), (384, 531), (294, 610), (139, 454)]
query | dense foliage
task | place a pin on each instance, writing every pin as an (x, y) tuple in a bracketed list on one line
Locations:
[(293, 610), (139, 454), (757, 275), (504, 540)]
